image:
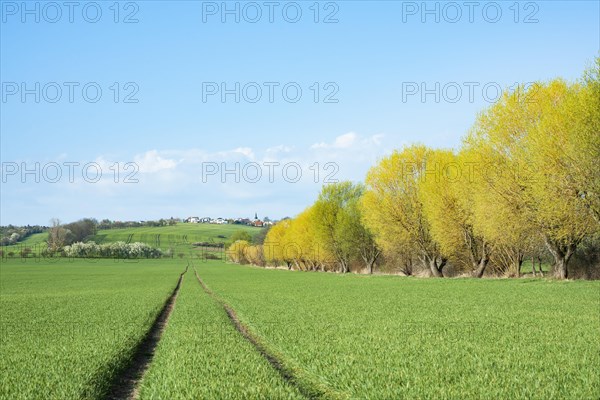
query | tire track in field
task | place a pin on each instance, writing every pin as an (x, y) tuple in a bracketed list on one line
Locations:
[(126, 382), (307, 389)]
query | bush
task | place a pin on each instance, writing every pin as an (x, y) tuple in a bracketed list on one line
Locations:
[(255, 255), (48, 253), (25, 252), (239, 235), (236, 252), (112, 250)]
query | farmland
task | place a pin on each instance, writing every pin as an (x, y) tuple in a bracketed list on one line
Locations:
[(35, 242), (390, 337), (69, 328), (201, 355), (179, 234), (349, 200), (180, 238)]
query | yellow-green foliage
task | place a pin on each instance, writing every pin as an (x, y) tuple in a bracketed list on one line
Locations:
[(237, 251), (393, 207), (255, 255)]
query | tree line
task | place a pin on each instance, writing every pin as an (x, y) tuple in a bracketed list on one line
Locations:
[(525, 183), (11, 234)]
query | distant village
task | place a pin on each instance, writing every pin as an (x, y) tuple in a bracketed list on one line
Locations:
[(239, 221)]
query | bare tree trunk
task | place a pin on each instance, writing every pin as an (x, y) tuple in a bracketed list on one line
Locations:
[(533, 266), (370, 258), (560, 268), (436, 270), (562, 253), (344, 266), (478, 272), (409, 267), (483, 261)]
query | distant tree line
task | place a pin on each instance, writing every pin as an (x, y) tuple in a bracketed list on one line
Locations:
[(13, 234), (108, 224)]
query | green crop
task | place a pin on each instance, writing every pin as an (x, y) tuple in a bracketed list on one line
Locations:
[(388, 337), (202, 356), (69, 327)]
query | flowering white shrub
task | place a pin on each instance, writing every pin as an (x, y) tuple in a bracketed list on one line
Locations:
[(112, 250), (80, 249)]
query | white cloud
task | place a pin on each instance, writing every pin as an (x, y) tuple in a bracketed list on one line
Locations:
[(246, 151), (151, 161), (279, 149), (376, 139), (349, 140), (344, 141)]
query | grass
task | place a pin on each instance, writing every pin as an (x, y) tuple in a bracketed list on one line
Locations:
[(68, 327), (392, 337), (178, 237), (36, 242), (526, 267), (202, 356)]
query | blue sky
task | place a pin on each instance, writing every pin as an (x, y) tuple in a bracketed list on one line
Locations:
[(177, 131)]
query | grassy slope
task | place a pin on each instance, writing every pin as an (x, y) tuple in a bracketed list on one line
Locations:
[(202, 356), (179, 237), (391, 337), (36, 242), (67, 326)]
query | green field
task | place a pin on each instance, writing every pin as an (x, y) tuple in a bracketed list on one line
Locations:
[(36, 242), (70, 327), (179, 238), (390, 337), (179, 234), (67, 328), (202, 356)]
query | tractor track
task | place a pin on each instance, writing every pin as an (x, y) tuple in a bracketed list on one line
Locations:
[(307, 389), (125, 385)]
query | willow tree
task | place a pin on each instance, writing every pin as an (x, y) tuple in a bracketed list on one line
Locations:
[(588, 152), (302, 244), (447, 196), (236, 252), (529, 152), (500, 213), (361, 236), (275, 244), (563, 145), (393, 209), (337, 223)]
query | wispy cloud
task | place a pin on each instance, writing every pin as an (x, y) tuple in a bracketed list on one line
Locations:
[(151, 161)]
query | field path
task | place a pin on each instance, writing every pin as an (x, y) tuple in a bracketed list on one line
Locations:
[(125, 384), (307, 388)]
